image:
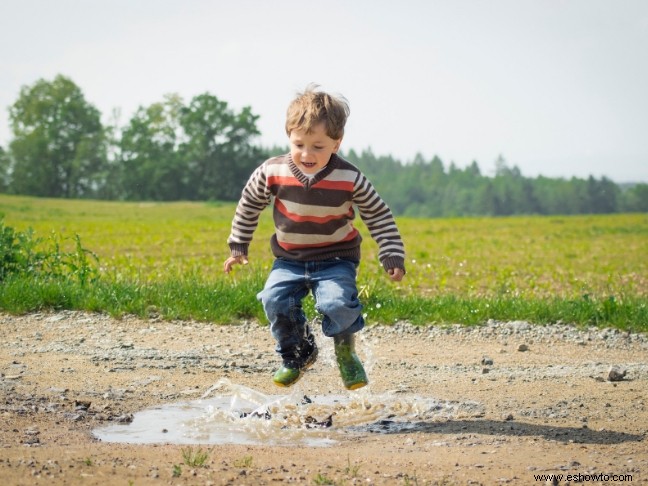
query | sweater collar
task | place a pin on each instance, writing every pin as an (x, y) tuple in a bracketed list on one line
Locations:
[(307, 181)]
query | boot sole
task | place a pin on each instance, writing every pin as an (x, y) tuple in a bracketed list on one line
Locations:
[(355, 386)]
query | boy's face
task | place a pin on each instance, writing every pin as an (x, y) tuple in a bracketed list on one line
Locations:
[(312, 151)]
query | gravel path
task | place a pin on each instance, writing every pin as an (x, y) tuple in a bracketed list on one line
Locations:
[(509, 401)]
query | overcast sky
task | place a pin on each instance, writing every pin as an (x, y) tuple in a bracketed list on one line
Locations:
[(559, 88)]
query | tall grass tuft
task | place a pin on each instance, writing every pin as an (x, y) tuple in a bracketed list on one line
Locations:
[(21, 253)]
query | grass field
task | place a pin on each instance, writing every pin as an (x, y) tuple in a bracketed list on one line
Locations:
[(584, 269)]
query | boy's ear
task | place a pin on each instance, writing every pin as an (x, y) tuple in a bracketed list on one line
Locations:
[(337, 146)]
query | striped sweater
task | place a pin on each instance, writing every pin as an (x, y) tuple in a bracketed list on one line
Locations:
[(313, 218)]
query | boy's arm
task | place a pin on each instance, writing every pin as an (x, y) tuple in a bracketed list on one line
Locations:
[(381, 225), (254, 198)]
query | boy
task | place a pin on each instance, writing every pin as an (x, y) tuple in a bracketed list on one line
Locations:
[(315, 244)]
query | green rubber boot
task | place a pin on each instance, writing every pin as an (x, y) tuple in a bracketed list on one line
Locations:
[(291, 371), (286, 376), (351, 369)]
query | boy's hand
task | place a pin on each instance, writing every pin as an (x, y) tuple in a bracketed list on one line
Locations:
[(231, 261), (396, 274)]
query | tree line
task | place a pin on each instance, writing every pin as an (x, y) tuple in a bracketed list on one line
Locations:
[(205, 150), (427, 188), (170, 150)]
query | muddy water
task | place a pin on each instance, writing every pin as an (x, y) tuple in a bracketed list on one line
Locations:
[(234, 414)]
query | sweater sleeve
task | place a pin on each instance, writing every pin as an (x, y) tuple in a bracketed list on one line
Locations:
[(255, 197), (380, 222)]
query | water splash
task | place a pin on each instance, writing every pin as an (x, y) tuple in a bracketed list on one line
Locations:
[(229, 413)]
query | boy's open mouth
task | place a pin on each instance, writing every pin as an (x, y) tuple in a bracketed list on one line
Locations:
[(309, 165)]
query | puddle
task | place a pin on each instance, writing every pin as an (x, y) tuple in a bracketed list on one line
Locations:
[(233, 414)]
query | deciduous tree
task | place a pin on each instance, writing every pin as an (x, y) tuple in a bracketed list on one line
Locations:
[(59, 144), (218, 150), (151, 167)]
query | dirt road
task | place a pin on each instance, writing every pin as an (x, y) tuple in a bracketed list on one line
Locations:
[(503, 403)]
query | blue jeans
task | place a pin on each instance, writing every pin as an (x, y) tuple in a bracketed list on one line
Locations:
[(333, 283)]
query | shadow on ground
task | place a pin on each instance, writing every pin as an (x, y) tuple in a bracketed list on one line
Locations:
[(581, 435)]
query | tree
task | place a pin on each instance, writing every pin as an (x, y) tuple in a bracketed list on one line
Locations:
[(202, 151), (218, 152), (151, 167), (58, 145), (485, 202), (473, 169), (635, 199), (4, 170), (602, 196), (109, 177)]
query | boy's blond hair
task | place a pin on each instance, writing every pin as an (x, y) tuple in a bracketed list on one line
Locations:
[(312, 107)]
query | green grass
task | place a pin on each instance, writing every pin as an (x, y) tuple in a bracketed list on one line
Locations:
[(194, 457), (245, 462), (323, 479), (166, 259)]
